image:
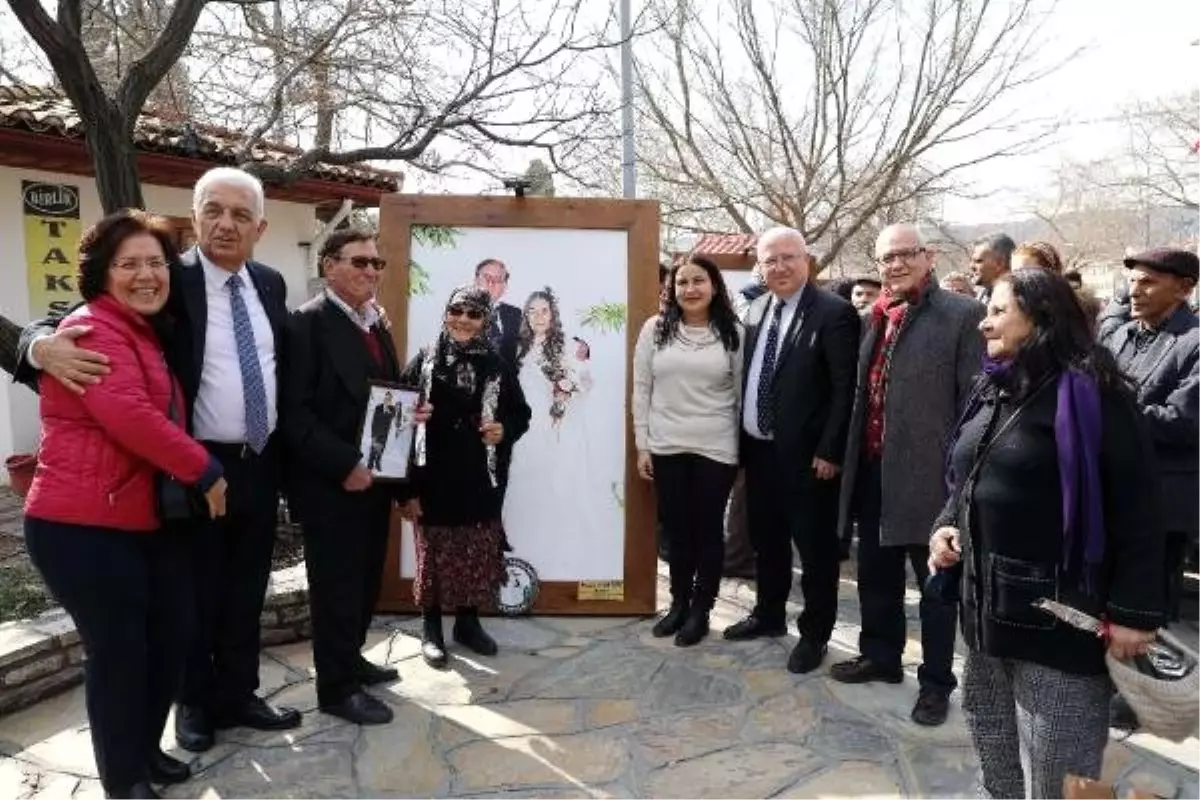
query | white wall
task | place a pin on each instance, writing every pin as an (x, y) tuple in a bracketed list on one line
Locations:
[(288, 225)]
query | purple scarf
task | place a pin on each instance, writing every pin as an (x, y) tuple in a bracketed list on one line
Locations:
[(1077, 427)]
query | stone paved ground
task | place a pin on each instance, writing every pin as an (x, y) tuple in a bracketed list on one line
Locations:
[(579, 708)]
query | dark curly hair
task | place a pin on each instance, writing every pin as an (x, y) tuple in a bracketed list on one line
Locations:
[(552, 347), (1062, 335), (100, 243), (721, 316)]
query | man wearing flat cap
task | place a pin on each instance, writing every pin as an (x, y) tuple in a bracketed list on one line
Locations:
[(1159, 348)]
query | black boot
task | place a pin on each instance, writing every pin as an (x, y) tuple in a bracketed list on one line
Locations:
[(671, 621), (433, 645), (471, 635), (695, 627)]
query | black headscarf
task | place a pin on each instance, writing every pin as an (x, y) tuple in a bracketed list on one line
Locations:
[(460, 365)]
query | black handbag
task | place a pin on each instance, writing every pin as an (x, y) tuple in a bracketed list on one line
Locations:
[(177, 502)]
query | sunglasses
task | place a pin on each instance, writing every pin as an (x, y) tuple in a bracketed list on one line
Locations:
[(469, 313), (362, 262)]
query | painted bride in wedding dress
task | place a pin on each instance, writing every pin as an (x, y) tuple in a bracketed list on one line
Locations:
[(557, 515)]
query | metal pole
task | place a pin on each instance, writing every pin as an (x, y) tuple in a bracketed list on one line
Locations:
[(628, 169)]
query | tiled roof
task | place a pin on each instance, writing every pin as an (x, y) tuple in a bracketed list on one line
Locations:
[(724, 243), (48, 111)]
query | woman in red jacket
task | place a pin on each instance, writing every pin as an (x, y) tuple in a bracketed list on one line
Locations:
[(91, 519)]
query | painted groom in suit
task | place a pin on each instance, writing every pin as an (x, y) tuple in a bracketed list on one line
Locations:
[(801, 350), (491, 275)]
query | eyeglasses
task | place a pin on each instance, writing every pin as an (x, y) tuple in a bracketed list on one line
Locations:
[(776, 262), (362, 262), (469, 313), (907, 254), (134, 264)]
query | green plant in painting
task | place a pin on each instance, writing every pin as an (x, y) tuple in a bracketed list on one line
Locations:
[(430, 236), (604, 317)]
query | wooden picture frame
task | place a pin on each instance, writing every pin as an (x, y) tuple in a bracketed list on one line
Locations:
[(639, 220)]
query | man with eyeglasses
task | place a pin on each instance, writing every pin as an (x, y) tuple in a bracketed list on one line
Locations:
[(339, 344), (917, 362), (229, 312), (797, 389), (491, 275)]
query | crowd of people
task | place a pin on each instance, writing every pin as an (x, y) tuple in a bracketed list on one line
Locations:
[(1007, 445), (998, 432)]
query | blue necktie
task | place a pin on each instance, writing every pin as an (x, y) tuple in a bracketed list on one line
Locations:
[(254, 394), (766, 411)]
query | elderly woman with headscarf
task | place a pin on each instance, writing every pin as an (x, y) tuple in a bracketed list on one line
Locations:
[(459, 452)]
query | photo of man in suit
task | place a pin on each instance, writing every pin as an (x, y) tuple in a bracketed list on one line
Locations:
[(381, 425), (798, 387), (491, 275)]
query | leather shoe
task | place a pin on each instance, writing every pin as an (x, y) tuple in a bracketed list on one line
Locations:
[(752, 628), (193, 728), (434, 653), (695, 628), (138, 790), (258, 714), (806, 656), (863, 670), (164, 769), (470, 634), (361, 709), (931, 708), (372, 674), (671, 621)]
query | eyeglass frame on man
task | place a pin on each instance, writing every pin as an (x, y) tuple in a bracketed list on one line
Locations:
[(782, 261), (904, 254), (362, 262)]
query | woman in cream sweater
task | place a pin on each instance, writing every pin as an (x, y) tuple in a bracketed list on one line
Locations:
[(686, 384)]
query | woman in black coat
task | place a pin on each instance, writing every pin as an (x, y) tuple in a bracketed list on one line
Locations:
[(480, 413), (1052, 496)]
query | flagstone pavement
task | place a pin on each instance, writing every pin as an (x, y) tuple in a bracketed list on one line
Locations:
[(580, 707)]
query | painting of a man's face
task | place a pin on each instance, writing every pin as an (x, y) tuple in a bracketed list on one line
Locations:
[(493, 277)]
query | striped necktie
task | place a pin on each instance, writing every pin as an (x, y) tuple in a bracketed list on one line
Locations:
[(254, 393)]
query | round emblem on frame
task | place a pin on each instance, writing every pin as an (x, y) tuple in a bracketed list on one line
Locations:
[(520, 590)]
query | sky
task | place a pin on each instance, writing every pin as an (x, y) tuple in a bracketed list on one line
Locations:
[(1136, 49)]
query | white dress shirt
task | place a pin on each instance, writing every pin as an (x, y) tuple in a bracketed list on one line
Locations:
[(365, 317), (750, 400), (220, 413)]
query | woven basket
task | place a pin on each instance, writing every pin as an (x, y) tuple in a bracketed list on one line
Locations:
[(1165, 708)]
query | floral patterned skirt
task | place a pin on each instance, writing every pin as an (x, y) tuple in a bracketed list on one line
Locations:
[(460, 565)]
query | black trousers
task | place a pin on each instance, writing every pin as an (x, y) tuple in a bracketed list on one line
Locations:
[(129, 596), (232, 562), (692, 491), (344, 547), (881, 581), (787, 505)]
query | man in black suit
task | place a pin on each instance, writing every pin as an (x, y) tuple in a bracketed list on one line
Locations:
[(225, 348), (801, 348), (381, 425), (491, 275), (337, 345)]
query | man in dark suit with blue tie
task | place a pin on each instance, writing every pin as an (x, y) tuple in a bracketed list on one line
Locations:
[(225, 347), (801, 350)]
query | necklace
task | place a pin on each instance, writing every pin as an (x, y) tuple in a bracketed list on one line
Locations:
[(694, 337)]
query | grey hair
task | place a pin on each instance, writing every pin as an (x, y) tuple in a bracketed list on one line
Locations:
[(1000, 244), (229, 175), (783, 232)]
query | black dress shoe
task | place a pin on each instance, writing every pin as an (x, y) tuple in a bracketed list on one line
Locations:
[(138, 790), (670, 622), (434, 653), (863, 670), (931, 708), (361, 709), (258, 714), (752, 628), (372, 674), (806, 656), (164, 769), (695, 628), (193, 728)]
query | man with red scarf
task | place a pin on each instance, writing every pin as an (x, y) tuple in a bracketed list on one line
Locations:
[(920, 352)]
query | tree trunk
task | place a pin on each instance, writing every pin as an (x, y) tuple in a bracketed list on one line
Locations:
[(110, 144), (10, 333)]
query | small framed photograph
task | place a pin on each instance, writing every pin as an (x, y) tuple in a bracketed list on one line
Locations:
[(386, 439)]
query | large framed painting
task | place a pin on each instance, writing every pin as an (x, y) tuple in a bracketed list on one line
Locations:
[(573, 280)]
